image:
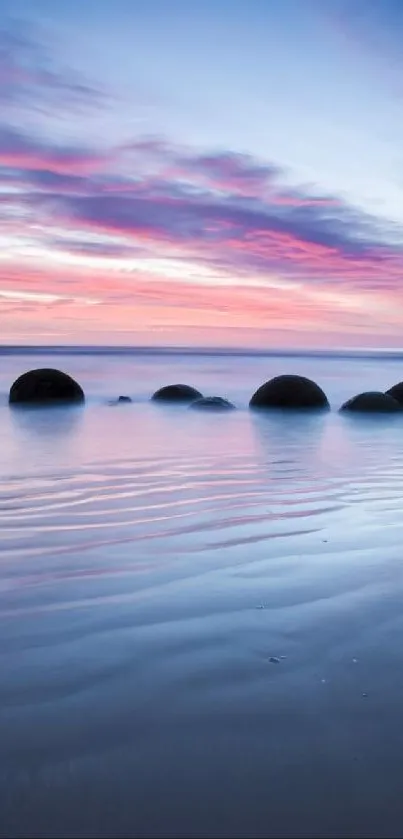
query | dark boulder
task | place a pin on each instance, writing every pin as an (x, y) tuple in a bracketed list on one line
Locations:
[(291, 392), (45, 386), (121, 400), (177, 393), (372, 402), (212, 403), (396, 392)]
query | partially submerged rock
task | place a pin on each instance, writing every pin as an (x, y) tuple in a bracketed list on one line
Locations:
[(290, 392), (372, 401), (212, 403), (396, 392), (45, 387), (177, 393), (120, 400)]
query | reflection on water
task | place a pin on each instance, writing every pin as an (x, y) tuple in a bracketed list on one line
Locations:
[(46, 421), (200, 620)]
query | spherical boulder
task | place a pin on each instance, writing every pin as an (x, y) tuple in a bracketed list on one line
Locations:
[(290, 392), (45, 387), (212, 403), (372, 401), (396, 392), (177, 393)]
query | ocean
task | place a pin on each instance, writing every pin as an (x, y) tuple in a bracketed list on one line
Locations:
[(201, 619)]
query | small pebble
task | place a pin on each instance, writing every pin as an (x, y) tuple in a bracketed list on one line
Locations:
[(365, 694), (355, 660), (323, 681), (274, 660)]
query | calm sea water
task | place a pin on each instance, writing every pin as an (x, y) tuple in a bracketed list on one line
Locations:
[(201, 616)]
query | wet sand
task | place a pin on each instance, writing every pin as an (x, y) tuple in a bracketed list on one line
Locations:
[(200, 619)]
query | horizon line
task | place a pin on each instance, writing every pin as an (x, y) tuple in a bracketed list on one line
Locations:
[(104, 349)]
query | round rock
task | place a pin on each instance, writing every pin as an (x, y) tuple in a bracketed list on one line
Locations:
[(45, 386), (121, 400), (177, 393), (396, 392), (290, 392), (372, 401), (212, 403)]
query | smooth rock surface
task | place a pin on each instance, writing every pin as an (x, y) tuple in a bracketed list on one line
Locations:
[(372, 402), (177, 393), (45, 386), (291, 392), (212, 403), (396, 392)]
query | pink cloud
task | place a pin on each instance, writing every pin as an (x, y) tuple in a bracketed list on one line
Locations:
[(276, 255), (18, 151)]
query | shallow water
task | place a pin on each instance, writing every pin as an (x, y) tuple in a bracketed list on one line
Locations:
[(153, 560)]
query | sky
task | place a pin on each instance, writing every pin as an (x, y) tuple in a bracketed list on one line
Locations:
[(204, 173)]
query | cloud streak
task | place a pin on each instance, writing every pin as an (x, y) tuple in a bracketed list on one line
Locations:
[(164, 234), (32, 79), (222, 210), (33, 155)]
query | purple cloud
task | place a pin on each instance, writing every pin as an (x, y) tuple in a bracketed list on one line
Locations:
[(104, 249), (223, 209), (20, 151), (31, 77)]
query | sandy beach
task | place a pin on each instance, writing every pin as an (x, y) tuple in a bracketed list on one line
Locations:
[(200, 615)]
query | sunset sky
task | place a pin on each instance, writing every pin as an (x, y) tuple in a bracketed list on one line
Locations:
[(201, 172)]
